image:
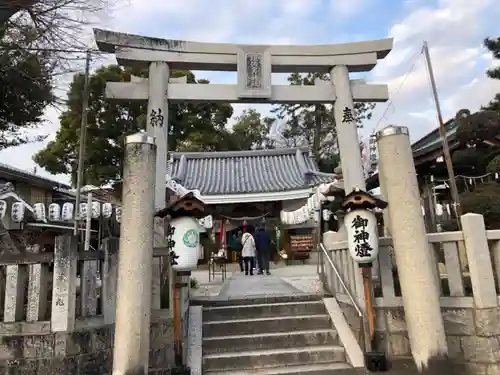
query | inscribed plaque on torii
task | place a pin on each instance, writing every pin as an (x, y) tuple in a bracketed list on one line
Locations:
[(254, 72)]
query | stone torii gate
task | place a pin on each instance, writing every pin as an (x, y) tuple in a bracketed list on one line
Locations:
[(254, 65)]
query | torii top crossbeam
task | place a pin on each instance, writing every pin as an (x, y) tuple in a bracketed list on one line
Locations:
[(254, 64), (140, 50)]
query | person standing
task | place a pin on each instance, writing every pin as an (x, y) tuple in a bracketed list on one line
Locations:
[(263, 246), (235, 245), (248, 252)]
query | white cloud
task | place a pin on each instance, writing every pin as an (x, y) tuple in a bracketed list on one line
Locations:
[(347, 7), (455, 30)]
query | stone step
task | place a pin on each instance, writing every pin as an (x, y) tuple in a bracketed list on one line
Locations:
[(253, 300), (263, 310), (266, 359), (280, 340), (265, 325), (321, 369)]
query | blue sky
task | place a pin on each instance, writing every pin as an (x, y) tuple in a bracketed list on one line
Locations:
[(454, 29)]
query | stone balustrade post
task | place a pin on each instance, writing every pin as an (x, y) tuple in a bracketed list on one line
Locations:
[(15, 282), (110, 279), (64, 283), (480, 265), (38, 287)]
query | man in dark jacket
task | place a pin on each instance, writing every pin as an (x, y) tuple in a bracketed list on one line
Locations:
[(263, 247)]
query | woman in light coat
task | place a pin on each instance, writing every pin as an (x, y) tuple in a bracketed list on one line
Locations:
[(248, 252)]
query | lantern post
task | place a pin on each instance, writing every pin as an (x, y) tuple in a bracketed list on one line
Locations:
[(183, 242), (362, 237)]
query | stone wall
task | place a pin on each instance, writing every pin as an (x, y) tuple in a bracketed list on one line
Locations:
[(473, 336), (83, 352)]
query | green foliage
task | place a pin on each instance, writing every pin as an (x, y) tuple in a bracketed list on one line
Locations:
[(25, 87), (473, 161), (109, 122), (252, 131), (314, 124), (494, 165), (484, 200), (493, 45), (193, 283), (475, 128)]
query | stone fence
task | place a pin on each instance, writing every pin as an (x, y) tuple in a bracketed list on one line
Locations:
[(468, 267), (58, 311)]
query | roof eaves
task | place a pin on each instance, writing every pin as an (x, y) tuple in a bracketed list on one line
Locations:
[(20, 174), (245, 153)]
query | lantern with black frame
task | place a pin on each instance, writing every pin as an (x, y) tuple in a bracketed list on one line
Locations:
[(362, 236), (183, 243)]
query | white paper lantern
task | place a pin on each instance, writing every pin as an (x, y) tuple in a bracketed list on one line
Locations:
[(362, 235), (82, 214), (107, 210), (96, 210), (67, 211), (3, 209), (17, 212), (39, 212), (118, 214), (54, 212), (187, 243), (326, 215)]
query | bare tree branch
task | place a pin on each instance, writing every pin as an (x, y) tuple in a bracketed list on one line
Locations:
[(40, 43)]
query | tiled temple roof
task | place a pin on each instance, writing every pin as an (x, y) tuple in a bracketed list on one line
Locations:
[(248, 172)]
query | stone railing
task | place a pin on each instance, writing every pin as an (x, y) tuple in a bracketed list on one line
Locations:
[(58, 309), (468, 265)]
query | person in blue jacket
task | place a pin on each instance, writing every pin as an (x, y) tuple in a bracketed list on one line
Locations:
[(263, 247)]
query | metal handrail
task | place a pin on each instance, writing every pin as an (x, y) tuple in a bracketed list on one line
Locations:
[(358, 310)]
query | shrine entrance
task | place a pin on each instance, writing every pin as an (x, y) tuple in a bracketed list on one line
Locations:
[(254, 65)]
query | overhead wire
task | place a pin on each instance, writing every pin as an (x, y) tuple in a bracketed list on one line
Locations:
[(390, 103)]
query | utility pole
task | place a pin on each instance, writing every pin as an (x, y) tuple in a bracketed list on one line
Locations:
[(83, 140), (444, 140)]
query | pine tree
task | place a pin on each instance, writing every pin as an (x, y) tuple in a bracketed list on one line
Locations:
[(493, 45)]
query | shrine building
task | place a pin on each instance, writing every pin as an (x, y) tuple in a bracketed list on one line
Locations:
[(248, 188)]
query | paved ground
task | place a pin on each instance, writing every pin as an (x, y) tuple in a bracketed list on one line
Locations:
[(257, 285), (284, 280)]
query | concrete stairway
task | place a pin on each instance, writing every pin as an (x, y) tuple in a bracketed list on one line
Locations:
[(272, 335)]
